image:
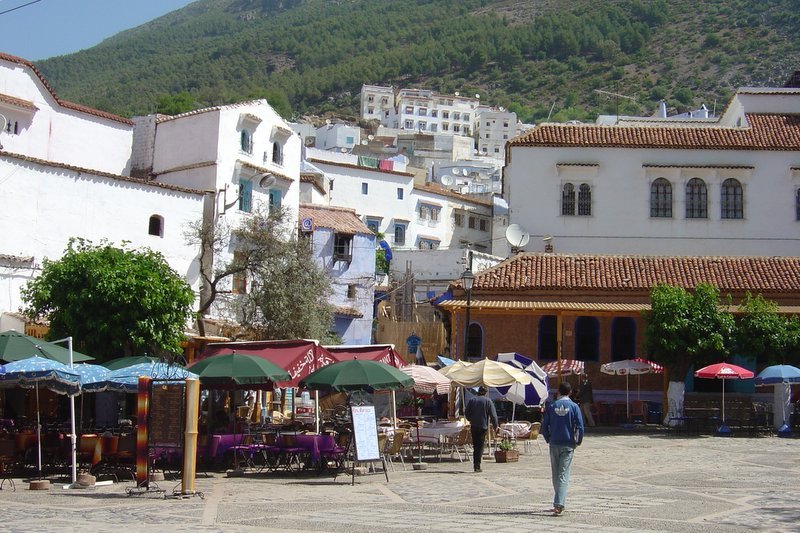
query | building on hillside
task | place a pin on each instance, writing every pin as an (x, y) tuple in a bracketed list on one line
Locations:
[(245, 154), (65, 175), (589, 307), (419, 110), (494, 128), (425, 150), (729, 186), (344, 246), (341, 137)]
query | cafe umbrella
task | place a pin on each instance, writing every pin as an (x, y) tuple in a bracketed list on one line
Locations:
[(89, 374), (785, 375), (357, 375), (130, 360), (35, 371), (15, 346), (626, 367), (723, 371), (238, 371)]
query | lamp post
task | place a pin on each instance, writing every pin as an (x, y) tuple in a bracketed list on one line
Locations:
[(467, 280)]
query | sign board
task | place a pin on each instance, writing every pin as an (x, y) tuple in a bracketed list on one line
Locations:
[(166, 414), (307, 224), (365, 433)]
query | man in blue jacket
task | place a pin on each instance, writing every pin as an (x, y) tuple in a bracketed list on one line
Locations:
[(562, 429)]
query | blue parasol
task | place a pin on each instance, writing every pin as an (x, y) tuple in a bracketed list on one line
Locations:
[(32, 372), (127, 379), (778, 374)]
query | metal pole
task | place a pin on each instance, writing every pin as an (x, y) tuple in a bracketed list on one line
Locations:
[(72, 437)]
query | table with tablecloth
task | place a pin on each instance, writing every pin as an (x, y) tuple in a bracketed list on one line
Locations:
[(312, 443), (437, 431)]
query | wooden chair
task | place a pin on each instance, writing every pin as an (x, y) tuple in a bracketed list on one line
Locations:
[(532, 436), (395, 447), (458, 443)]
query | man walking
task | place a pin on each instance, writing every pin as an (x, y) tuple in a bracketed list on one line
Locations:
[(562, 429), (586, 399), (480, 412)]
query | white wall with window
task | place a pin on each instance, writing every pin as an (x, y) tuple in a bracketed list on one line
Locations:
[(726, 187)]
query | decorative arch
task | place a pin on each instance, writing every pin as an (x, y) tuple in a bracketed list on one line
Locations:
[(475, 341)]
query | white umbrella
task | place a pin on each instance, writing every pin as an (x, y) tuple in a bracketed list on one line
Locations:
[(427, 380), (625, 368), (489, 373)]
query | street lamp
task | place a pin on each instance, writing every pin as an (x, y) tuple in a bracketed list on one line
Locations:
[(467, 280)]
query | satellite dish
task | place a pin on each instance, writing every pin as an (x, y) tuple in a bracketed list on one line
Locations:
[(477, 95), (458, 94), (364, 142), (447, 180), (370, 137), (327, 121), (267, 181), (517, 236), (3, 122), (547, 237), (464, 172)]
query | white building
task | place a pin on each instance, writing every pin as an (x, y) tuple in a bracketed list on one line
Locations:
[(63, 168), (342, 137), (494, 128), (419, 110), (244, 154), (345, 248), (726, 187)]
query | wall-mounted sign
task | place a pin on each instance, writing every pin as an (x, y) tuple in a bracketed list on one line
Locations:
[(307, 224)]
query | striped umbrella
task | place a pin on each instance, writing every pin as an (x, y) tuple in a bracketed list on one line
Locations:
[(568, 366)]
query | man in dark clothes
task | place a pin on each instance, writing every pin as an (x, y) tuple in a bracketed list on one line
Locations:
[(586, 399), (480, 412)]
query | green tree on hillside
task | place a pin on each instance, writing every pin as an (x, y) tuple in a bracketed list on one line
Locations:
[(112, 300)]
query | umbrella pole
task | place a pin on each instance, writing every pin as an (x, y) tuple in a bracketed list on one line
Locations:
[(513, 411), (38, 431), (723, 402), (627, 399)]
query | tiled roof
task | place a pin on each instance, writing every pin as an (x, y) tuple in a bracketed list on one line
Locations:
[(263, 170), (765, 132), (166, 118), (339, 219), (63, 103), (348, 311), (543, 271), (93, 172), (17, 102), (582, 305)]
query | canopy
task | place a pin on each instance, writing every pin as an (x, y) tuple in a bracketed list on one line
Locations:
[(357, 374), (427, 380), (384, 353), (122, 362), (456, 365), (568, 366), (127, 379), (236, 370), (628, 367), (299, 357), (15, 346), (489, 373)]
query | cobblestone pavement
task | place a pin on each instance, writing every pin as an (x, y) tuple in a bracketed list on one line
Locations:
[(621, 482)]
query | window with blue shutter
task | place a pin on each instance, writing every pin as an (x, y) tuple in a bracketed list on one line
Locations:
[(246, 196)]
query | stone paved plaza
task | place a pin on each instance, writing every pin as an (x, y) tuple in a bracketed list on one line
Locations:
[(621, 482)]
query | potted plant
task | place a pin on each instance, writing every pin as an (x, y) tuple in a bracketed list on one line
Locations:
[(506, 451)]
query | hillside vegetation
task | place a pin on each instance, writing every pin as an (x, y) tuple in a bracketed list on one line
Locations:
[(538, 58)]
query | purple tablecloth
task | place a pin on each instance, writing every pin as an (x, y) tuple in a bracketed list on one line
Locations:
[(313, 443)]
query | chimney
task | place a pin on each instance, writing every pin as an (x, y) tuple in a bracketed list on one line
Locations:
[(662, 109)]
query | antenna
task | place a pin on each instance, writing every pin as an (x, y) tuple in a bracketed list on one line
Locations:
[(266, 181), (617, 96), (548, 243), (447, 180), (517, 237)]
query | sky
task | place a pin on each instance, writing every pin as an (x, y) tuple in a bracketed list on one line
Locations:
[(47, 28)]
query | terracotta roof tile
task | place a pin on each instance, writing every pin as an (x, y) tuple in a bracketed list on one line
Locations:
[(542, 271), (17, 102), (339, 219), (63, 103), (438, 189), (348, 311), (765, 132)]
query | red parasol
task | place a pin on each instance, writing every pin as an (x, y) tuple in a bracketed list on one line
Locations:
[(723, 371)]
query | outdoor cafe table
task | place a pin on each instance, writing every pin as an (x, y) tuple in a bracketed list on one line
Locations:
[(436, 432), (313, 443)]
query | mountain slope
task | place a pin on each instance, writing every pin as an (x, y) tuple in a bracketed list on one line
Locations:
[(534, 57)]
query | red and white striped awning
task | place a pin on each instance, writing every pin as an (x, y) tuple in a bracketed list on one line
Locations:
[(655, 368), (568, 366)]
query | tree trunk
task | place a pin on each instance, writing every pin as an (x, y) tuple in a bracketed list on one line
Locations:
[(675, 398)]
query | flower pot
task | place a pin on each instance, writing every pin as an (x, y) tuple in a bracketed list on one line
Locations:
[(506, 456)]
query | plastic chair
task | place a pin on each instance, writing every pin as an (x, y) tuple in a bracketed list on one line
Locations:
[(458, 443), (532, 436)]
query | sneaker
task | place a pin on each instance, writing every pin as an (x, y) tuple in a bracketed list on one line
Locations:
[(557, 511), (478, 470)]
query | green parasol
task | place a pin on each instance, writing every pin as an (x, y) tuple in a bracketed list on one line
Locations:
[(238, 371), (357, 375), (15, 346)]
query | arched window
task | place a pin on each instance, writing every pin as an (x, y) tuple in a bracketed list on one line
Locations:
[(568, 199), (623, 338), (587, 338), (247, 142), (475, 342), (548, 337), (696, 199), (661, 198), (156, 226), (584, 200), (732, 200), (277, 153)]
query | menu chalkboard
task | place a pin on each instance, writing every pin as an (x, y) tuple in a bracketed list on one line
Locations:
[(166, 414), (365, 433)]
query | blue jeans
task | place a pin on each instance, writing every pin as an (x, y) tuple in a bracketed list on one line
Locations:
[(560, 463)]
